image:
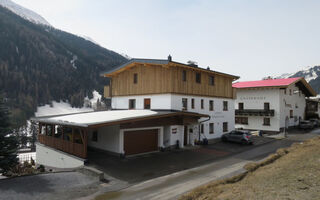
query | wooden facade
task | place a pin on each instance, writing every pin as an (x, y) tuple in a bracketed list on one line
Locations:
[(161, 79)]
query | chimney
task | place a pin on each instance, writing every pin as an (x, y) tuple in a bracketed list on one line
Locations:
[(169, 58), (208, 68)]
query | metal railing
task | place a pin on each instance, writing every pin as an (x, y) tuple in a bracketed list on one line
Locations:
[(254, 112)]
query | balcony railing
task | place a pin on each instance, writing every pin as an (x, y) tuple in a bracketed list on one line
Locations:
[(255, 112), (76, 149)]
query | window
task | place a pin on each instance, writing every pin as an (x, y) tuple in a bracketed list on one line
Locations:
[(135, 78), (147, 103), (285, 91), (225, 105), (201, 128), (211, 128), (266, 106), (184, 75), (291, 113), (242, 120), (225, 126), (49, 130), (211, 80), (132, 104), (266, 121), (202, 104), (240, 106), (192, 103), (184, 104), (211, 106), (198, 78), (290, 92), (94, 136)]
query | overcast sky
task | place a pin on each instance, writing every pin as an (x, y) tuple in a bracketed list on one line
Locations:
[(251, 39)]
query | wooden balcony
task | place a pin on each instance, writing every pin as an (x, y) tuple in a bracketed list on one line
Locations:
[(254, 112), (79, 150)]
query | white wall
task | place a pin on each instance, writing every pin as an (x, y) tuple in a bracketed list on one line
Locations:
[(279, 101), (162, 101), (294, 102), (108, 139), (217, 116), (174, 102), (255, 99), (54, 158)]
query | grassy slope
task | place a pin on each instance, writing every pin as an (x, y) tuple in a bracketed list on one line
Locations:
[(295, 175)]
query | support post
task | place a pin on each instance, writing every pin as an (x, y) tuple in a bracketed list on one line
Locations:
[(85, 143), (72, 140)]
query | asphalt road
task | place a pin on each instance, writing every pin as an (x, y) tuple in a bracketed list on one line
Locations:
[(59, 186), (174, 185)]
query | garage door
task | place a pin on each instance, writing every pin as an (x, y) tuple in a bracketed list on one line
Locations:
[(140, 141)]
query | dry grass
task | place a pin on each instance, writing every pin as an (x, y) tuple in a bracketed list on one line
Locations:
[(291, 174)]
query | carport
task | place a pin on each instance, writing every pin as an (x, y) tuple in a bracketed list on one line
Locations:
[(122, 132)]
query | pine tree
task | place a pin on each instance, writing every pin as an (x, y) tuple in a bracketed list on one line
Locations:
[(8, 143)]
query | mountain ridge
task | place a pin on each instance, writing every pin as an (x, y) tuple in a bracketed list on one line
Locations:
[(40, 64)]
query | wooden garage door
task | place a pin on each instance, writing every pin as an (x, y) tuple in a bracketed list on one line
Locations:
[(140, 141)]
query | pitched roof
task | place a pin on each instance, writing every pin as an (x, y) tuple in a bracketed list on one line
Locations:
[(265, 83), (299, 81), (160, 62)]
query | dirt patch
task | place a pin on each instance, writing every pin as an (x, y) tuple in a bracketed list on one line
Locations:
[(291, 173)]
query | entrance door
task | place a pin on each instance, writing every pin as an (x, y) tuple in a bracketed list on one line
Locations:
[(185, 141), (140, 141)]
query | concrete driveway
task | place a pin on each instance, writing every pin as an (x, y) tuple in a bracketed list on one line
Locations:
[(60, 186), (141, 168)]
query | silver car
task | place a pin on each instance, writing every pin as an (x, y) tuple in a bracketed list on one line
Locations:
[(239, 136)]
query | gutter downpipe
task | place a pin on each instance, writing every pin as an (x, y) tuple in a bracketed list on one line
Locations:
[(200, 124)]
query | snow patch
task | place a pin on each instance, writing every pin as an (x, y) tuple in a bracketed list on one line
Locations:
[(89, 39), (59, 108), (99, 117), (126, 56), (309, 73), (95, 102), (74, 58), (24, 12)]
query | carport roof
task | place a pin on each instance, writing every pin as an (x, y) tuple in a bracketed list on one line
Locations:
[(110, 117)]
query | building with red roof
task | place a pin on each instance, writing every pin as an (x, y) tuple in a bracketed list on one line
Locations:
[(271, 105)]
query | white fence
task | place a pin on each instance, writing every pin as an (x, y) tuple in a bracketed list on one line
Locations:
[(26, 157)]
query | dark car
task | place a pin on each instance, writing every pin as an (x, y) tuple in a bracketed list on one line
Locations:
[(306, 125), (315, 122), (239, 136)]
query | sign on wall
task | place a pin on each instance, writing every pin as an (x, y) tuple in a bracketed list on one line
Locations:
[(252, 98)]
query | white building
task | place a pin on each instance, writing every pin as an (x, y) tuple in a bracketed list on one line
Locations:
[(156, 104), (271, 105)]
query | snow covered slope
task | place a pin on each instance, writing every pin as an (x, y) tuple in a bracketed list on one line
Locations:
[(309, 73), (24, 12)]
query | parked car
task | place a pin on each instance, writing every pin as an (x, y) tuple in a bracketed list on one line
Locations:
[(315, 122), (239, 136), (306, 124)]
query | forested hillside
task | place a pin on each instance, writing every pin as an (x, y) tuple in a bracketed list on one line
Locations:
[(40, 63)]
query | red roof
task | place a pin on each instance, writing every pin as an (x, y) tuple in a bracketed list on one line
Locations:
[(266, 83)]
